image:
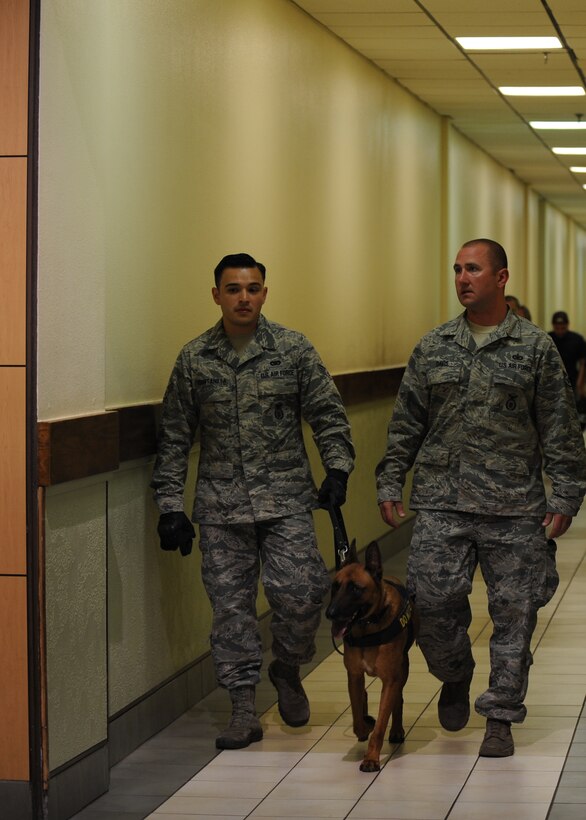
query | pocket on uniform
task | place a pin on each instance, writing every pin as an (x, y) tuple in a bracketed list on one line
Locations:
[(434, 456), (507, 463), (546, 578), (292, 461), (217, 469), (508, 397)]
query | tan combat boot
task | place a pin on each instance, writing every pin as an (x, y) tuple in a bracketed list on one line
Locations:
[(244, 727), (498, 740)]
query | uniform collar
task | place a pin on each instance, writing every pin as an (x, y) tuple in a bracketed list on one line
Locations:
[(263, 339), (459, 329)]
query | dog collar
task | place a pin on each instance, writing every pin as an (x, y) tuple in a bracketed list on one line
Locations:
[(394, 629)]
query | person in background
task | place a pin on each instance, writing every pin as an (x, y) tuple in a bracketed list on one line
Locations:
[(517, 308), (245, 385), (572, 348), (483, 406), (513, 303)]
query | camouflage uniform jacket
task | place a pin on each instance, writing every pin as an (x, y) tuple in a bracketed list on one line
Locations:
[(253, 465), (478, 423)]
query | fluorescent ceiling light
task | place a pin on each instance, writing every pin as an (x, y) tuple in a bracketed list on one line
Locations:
[(569, 151), (542, 90), (578, 169), (567, 125), (508, 43)]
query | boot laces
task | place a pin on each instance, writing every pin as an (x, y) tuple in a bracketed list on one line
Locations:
[(497, 729)]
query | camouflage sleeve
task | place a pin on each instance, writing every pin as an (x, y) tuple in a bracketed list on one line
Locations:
[(562, 443), (406, 431), (180, 418), (323, 409)]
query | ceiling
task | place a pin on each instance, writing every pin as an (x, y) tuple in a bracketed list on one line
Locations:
[(414, 43)]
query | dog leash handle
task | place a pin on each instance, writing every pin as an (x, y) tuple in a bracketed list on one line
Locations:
[(340, 536)]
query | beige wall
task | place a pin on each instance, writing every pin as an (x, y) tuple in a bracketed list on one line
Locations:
[(173, 133), (195, 151), (485, 200)]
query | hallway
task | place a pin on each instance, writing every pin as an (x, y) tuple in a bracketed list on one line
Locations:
[(313, 772)]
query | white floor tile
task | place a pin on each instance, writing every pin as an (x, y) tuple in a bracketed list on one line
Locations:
[(313, 772)]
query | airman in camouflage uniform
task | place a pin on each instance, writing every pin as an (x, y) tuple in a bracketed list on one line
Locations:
[(246, 384), (483, 407)]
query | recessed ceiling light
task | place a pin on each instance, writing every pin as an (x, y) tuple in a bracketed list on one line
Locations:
[(578, 169), (542, 90), (508, 43), (567, 125), (569, 151)]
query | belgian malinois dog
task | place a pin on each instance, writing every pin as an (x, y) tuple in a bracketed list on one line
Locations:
[(376, 619)]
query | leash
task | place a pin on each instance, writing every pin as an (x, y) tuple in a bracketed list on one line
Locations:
[(342, 548)]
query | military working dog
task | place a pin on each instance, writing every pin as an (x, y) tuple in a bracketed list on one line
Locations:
[(376, 619)]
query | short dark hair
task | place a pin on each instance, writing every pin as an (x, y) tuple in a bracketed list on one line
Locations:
[(560, 316), (496, 252), (237, 260)]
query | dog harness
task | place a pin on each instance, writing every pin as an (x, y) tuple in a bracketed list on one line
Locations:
[(404, 620)]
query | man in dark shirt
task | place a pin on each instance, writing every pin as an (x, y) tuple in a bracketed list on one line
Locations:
[(572, 348)]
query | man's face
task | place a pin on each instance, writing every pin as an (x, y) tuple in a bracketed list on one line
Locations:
[(478, 285), (560, 328), (241, 296)]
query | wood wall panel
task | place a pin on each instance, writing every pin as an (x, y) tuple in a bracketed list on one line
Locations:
[(14, 756), (77, 448), (80, 447), (14, 60), (12, 472), (13, 180)]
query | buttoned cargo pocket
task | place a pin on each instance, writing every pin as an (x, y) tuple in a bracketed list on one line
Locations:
[(286, 460), (508, 397), (442, 380), (278, 387), (507, 478), (217, 407), (279, 400), (545, 574), (434, 456), (431, 474), (506, 463), (217, 470)]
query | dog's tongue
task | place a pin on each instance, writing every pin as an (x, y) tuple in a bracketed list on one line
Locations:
[(339, 630)]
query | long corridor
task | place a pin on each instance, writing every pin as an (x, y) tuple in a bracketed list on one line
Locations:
[(313, 772)]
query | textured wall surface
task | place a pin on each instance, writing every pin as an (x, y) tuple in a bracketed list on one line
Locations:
[(76, 619)]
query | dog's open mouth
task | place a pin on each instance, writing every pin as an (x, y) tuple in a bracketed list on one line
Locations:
[(339, 629)]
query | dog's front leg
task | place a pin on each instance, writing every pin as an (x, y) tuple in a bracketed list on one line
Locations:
[(397, 733), (391, 691), (361, 722)]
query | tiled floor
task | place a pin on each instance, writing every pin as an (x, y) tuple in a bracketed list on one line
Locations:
[(313, 772)]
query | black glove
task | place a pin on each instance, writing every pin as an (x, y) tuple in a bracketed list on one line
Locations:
[(176, 530), (332, 492)]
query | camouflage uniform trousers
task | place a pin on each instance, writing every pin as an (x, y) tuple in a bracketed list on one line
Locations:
[(295, 581), (518, 566)]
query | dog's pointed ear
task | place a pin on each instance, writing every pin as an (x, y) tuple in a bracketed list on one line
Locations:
[(373, 561)]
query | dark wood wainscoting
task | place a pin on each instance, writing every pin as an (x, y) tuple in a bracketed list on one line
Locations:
[(83, 446)]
